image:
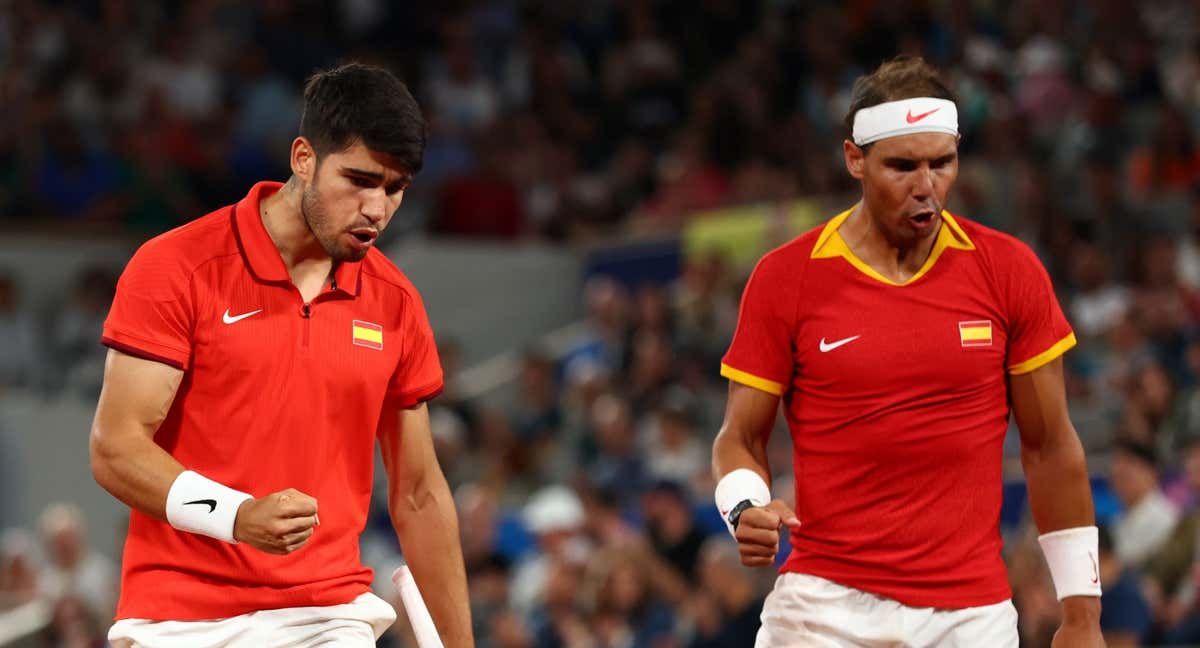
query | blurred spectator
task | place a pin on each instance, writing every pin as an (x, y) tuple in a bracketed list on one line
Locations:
[(614, 463), (73, 569), (555, 516), (19, 357), (672, 527), (19, 569), (1125, 618), (1148, 517), (77, 333), (483, 202), (674, 448), (729, 588), (1171, 571)]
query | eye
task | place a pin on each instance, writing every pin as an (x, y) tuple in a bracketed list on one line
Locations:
[(397, 187), (904, 165), (359, 181)]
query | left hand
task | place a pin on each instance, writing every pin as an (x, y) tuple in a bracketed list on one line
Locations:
[(1078, 636), (1081, 624)]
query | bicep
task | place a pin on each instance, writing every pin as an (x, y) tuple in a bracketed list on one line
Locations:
[(749, 415), (407, 446), (1039, 404), (136, 396)]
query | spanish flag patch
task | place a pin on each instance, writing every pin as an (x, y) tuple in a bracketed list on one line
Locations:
[(975, 333), (367, 334)]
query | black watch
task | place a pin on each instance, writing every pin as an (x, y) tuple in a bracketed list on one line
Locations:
[(735, 513)]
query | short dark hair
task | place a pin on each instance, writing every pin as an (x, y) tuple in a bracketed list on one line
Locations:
[(904, 77), (356, 101)]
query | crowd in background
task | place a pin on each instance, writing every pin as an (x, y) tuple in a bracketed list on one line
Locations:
[(586, 500)]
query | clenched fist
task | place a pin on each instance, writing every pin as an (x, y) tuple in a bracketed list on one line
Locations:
[(758, 532), (279, 523)]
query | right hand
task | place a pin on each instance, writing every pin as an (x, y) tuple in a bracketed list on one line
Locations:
[(279, 523), (758, 532)]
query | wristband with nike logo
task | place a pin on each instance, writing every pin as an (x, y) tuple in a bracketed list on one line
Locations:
[(197, 504), (1073, 558), (738, 491)]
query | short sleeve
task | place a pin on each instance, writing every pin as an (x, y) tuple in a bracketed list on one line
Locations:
[(761, 354), (152, 314), (418, 376), (1038, 331)]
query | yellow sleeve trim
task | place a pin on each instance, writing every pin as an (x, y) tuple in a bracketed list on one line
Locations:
[(1044, 357), (750, 380)]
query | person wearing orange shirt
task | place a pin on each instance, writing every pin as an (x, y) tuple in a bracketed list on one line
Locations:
[(255, 357), (899, 338)]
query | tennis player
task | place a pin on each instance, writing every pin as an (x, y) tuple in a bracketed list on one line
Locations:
[(900, 337), (256, 356)]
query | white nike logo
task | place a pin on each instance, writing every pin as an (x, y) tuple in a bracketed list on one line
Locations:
[(237, 318), (826, 348)]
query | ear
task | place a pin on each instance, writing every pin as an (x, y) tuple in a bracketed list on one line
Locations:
[(856, 159), (304, 160)]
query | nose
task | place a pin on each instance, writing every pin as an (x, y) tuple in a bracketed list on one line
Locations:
[(375, 206), (923, 184)]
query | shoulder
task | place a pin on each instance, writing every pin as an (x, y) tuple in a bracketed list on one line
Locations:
[(379, 269), (995, 245), (790, 259), (189, 246), (171, 258)]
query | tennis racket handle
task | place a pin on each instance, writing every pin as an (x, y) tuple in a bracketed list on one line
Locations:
[(414, 606)]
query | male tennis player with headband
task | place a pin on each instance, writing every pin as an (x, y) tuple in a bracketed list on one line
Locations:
[(899, 338)]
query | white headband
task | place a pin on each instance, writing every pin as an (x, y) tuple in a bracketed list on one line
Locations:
[(904, 117)]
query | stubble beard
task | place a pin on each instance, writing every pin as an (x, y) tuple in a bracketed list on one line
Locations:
[(317, 220)]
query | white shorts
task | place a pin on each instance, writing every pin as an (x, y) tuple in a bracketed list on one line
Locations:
[(807, 611), (357, 623)]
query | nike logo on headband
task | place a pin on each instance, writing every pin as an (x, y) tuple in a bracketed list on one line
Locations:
[(912, 119)]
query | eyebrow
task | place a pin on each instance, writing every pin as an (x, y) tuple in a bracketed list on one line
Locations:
[(374, 175), (897, 159)]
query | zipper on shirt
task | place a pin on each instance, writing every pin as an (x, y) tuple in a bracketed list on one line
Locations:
[(306, 313)]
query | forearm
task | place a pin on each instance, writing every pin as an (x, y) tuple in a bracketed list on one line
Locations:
[(134, 469), (732, 451), (427, 525), (1060, 496)]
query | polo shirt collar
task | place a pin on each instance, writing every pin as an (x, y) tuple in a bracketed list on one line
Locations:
[(831, 245), (259, 251)]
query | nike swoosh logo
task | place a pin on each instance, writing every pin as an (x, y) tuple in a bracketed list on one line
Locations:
[(912, 119), (1095, 569), (212, 504), (826, 347), (230, 319)]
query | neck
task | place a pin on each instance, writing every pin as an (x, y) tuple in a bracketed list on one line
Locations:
[(282, 216), (870, 244)]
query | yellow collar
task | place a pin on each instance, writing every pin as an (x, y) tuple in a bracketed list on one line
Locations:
[(830, 245)]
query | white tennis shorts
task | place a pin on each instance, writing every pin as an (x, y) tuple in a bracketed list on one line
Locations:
[(357, 623), (807, 611)]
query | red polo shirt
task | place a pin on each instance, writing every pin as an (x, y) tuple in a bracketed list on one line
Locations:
[(896, 396), (275, 394)]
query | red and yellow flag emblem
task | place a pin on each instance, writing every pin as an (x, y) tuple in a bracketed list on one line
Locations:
[(975, 333), (367, 334)]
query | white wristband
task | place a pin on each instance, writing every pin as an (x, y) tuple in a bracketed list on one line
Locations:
[(197, 504), (1073, 557), (739, 485)]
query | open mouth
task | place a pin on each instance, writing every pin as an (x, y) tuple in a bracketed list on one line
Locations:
[(364, 236), (923, 217)]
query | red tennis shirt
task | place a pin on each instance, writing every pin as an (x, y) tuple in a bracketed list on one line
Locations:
[(275, 394), (896, 397)]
